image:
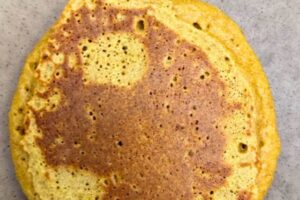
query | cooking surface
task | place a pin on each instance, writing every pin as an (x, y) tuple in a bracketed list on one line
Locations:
[(272, 28)]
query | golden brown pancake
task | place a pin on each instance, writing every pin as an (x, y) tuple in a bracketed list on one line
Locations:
[(136, 100)]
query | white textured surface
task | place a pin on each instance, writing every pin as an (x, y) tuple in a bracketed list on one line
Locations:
[(272, 27)]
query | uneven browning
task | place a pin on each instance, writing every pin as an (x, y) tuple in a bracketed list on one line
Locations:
[(157, 138), (138, 99)]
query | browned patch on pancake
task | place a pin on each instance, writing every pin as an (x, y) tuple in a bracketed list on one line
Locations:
[(244, 195), (160, 138), (245, 164)]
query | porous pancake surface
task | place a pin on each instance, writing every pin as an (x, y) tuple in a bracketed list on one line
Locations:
[(121, 100)]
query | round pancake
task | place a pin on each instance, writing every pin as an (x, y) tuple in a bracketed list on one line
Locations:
[(136, 100)]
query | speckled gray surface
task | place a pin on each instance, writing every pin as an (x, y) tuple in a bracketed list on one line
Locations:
[(272, 27)]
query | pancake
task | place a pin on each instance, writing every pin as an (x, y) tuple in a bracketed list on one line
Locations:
[(143, 100)]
